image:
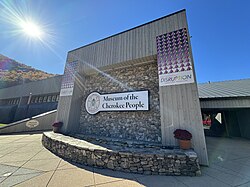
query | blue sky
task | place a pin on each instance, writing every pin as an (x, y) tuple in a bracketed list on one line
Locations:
[(220, 31)]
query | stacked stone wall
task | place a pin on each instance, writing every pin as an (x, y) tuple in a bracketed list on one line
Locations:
[(166, 162), (136, 126)]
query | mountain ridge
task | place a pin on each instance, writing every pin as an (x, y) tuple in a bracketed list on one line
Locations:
[(13, 73)]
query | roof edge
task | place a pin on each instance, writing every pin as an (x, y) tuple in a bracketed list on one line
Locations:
[(182, 10), (243, 79), (224, 98)]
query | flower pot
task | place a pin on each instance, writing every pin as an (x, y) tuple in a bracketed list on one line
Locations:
[(56, 129), (185, 144)]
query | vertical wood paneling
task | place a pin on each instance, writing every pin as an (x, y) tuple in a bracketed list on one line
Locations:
[(111, 50), (113, 53), (133, 44), (122, 49), (144, 48), (184, 104), (118, 48), (167, 104), (130, 43), (106, 45), (136, 43), (102, 55), (152, 43), (146, 39)]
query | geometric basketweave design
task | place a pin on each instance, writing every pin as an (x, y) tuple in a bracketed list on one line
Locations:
[(173, 54), (69, 75)]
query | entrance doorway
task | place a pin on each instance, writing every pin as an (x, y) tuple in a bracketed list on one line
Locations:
[(226, 122)]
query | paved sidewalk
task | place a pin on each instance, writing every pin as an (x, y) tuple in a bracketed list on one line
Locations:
[(24, 162)]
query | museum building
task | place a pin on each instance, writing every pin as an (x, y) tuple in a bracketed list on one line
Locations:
[(150, 68), (138, 85)]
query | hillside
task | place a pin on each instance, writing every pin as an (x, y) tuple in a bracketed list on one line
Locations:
[(13, 73)]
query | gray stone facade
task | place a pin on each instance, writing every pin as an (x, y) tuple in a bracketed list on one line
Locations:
[(136, 126), (151, 161)]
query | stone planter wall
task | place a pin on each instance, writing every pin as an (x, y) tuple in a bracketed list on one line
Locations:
[(144, 161)]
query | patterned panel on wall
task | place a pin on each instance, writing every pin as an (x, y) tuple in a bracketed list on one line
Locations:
[(174, 59), (68, 78)]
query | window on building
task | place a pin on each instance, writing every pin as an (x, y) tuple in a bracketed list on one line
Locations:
[(16, 102), (32, 100), (36, 99), (49, 98), (40, 99), (45, 98), (53, 98)]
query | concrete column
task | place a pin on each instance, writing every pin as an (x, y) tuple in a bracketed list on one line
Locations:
[(180, 109), (69, 107)]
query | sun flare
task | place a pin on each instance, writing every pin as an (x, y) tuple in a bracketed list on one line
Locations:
[(31, 29)]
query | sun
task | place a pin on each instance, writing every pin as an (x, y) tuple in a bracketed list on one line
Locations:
[(31, 29)]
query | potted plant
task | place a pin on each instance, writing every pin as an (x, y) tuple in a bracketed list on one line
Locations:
[(56, 126), (184, 138)]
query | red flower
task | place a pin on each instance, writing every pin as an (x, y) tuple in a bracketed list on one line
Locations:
[(57, 124), (182, 134)]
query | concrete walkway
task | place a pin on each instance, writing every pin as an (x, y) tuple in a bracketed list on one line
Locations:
[(24, 162)]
